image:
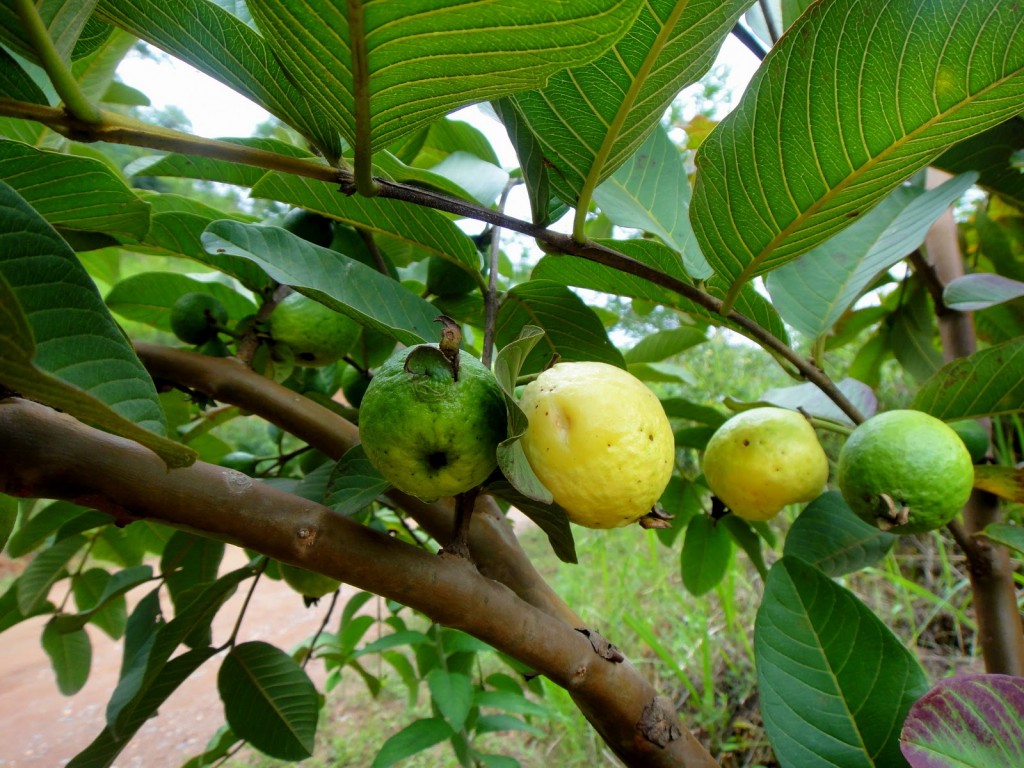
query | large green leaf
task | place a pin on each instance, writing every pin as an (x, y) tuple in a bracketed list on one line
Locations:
[(74, 192), (86, 366), (706, 554), (415, 737), (354, 483), (382, 70), (45, 570), (581, 273), (572, 330), (114, 588), (215, 42), (269, 700), (590, 119), (829, 536), (835, 683), (342, 283), (989, 154), (15, 82), (109, 613), (856, 97), (64, 21), (987, 383), (651, 191), (812, 292), (422, 228)]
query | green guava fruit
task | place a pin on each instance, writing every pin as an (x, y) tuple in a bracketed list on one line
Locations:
[(241, 461), (448, 280), (599, 440), (905, 472), (354, 384), (310, 226), (975, 437), (316, 334), (762, 459), (196, 317), (427, 433), (308, 583)]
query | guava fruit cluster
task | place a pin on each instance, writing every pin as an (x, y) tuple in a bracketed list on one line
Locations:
[(429, 428), (905, 472), (763, 459), (599, 440)]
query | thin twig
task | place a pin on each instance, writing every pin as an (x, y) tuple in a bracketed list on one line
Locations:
[(491, 297), (322, 627)]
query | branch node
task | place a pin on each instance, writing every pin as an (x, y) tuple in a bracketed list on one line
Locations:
[(601, 646), (659, 723)]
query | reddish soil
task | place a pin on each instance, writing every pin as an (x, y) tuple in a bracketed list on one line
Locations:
[(39, 728)]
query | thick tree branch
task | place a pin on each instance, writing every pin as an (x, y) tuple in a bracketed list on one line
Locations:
[(1000, 631), (46, 454), (492, 542)]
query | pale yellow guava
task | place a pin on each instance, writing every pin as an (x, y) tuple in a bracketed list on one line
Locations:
[(599, 440), (760, 460)]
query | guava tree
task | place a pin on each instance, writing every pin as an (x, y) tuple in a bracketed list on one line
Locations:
[(864, 123)]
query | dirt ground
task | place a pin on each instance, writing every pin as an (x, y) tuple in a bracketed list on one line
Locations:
[(40, 728)]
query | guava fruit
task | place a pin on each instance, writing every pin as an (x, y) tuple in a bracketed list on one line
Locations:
[(196, 317), (975, 437), (905, 472), (448, 280), (762, 459), (308, 583), (599, 440), (354, 384), (312, 227), (242, 461), (427, 432), (316, 334)]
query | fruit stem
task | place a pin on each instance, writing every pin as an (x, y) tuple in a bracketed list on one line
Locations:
[(451, 340), (829, 425)]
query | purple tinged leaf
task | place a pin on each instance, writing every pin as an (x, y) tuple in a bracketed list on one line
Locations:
[(973, 292), (972, 720)]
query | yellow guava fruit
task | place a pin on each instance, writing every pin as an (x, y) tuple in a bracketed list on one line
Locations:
[(905, 471), (599, 440), (430, 434), (760, 460)]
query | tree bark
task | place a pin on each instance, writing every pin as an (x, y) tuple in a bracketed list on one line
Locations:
[(46, 454), (1000, 632)]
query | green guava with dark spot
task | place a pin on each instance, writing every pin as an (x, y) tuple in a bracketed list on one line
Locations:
[(316, 334), (312, 227), (197, 317), (428, 433)]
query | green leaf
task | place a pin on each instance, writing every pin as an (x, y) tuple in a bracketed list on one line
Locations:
[(829, 536), (185, 166), (810, 399), (10, 613), (550, 518), (354, 483), (8, 516), (706, 554), (508, 364), (341, 283), (1008, 535), (452, 694), (511, 701), (873, 91), (572, 270), (531, 164), (990, 154), (987, 383), (651, 191), (45, 570), (746, 537), (74, 192), (87, 368), (384, 71), (415, 737), (572, 330), (812, 292), (70, 656), (227, 49), (64, 21), (269, 700), (16, 84), (591, 119), (835, 683), (970, 293), (92, 601), (105, 748), (913, 333), (660, 345), (968, 721), (88, 587)]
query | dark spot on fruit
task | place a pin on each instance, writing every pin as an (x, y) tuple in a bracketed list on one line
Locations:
[(746, 443), (437, 460), (307, 356), (650, 436)]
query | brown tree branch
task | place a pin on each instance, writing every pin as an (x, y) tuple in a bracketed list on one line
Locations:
[(492, 542), (46, 454), (1000, 631), (118, 129)]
